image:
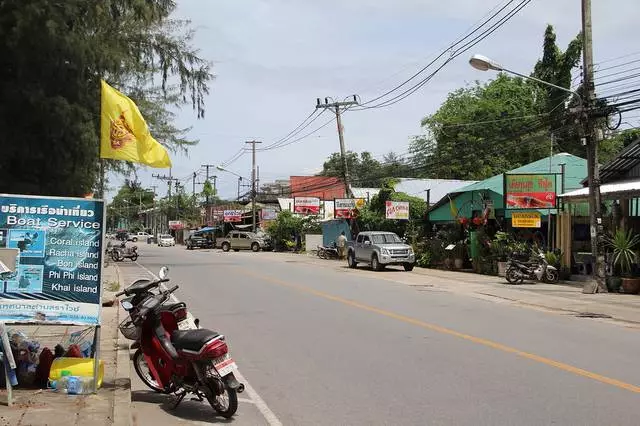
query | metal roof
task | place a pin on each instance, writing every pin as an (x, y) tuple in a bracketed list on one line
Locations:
[(607, 191), (622, 163)]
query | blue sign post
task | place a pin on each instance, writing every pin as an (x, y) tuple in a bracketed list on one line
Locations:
[(58, 272)]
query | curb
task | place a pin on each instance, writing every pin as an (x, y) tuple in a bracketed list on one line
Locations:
[(122, 396)]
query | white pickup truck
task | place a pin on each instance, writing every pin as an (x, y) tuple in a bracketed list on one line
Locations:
[(380, 249)]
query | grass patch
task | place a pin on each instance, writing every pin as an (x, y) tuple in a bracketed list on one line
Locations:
[(112, 286)]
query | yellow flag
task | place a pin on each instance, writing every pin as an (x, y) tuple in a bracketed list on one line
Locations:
[(124, 135), (453, 208)]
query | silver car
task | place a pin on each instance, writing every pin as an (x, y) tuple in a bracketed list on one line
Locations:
[(380, 249), (242, 240)]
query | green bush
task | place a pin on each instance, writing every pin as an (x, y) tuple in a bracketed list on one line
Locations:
[(425, 259)]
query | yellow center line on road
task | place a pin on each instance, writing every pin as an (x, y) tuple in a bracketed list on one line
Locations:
[(447, 331)]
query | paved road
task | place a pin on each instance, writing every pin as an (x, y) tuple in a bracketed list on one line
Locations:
[(333, 346)]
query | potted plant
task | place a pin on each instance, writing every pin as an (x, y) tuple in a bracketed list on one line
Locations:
[(459, 252), (501, 249), (623, 245)]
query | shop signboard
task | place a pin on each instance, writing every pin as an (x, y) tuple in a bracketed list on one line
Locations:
[(58, 269), (397, 210), (232, 216), (530, 191), (269, 213), (306, 205), (526, 220), (176, 224), (346, 208)]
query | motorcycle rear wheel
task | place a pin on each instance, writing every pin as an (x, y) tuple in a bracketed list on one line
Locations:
[(513, 276), (134, 257), (225, 404)]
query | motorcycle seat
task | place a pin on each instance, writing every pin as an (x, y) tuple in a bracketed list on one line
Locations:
[(192, 340), (174, 306)]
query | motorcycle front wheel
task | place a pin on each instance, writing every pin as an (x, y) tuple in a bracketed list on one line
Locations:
[(142, 369), (226, 403), (552, 276), (513, 276)]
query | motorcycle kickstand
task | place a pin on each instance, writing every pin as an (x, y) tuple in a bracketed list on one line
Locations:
[(198, 397), (179, 398)]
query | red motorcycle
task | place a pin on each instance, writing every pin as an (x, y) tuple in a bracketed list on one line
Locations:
[(172, 317), (184, 361)]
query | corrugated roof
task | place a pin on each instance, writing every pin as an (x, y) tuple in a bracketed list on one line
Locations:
[(607, 191), (622, 163), (439, 188), (575, 172), (364, 192)]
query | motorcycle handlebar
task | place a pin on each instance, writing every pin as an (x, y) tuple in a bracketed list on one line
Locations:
[(120, 294)]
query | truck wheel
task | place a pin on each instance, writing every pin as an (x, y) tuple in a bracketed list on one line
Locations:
[(255, 247), (375, 263), (351, 260), (226, 246), (134, 239), (408, 267)]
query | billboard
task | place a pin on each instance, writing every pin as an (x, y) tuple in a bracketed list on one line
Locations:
[(232, 216), (526, 220), (530, 191), (269, 213), (306, 205), (397, 210), (176, 224), (346, 208), (58, 269)]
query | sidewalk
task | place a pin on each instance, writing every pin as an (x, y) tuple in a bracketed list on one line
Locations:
[(112, 403), (564, 297)]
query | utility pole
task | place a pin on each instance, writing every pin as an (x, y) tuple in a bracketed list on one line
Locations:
[(170, 180), (194, 183), (253, 182), (591, 140), (335, 107)]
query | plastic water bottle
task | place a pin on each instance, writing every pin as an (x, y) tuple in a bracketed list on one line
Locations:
[(79, 385)]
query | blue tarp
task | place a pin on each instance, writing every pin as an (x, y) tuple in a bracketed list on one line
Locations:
[(332, 228)]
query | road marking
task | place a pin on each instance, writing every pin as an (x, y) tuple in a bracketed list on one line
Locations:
[(443, 330), (255, 399), (262, 406)]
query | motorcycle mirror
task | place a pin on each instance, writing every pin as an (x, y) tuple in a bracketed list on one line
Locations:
[(164, 272)]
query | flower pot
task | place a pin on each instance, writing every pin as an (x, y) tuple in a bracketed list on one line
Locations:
[(457, 262), (631, 285), (613, 284), (502, 269)]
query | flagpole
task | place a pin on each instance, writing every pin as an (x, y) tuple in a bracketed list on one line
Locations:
[(101, 178)]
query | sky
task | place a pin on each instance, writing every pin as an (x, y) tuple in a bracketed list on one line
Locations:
[(273, 58)]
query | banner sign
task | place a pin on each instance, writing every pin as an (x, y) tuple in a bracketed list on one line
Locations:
[(269, 213), (232, 216), (531, 191), (306, 205), (397, 210), (58, 271), (176, 224), (526, 220), (346, 208)]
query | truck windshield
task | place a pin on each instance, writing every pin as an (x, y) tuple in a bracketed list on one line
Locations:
[(386, 239)]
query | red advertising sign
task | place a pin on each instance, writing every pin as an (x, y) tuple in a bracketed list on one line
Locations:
[(530, 191), (176, 224), (306, 205), (347, 208), (232, 215)]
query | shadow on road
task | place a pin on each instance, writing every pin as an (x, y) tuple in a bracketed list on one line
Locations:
[(187, 410)]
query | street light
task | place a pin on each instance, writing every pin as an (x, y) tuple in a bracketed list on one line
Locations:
[(240, 178), (482, 63)]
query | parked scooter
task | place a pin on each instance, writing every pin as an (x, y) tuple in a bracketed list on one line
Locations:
[(184, 361), (328, 252), (539, 270), (118, 254), (172, 317)]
